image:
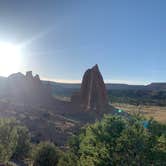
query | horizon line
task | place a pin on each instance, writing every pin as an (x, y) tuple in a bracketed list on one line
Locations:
[(106, 81), (113, 81)]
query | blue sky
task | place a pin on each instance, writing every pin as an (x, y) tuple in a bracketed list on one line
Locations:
[(62, 38)]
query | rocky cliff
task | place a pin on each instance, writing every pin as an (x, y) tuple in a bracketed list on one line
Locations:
[(93, 94), (28, 89)]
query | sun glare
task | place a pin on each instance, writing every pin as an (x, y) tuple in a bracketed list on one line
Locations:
[(10, 58)]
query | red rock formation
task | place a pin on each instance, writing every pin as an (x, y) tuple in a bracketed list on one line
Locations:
[(28, 89), (37, 79), (93, 94), (29, 75)]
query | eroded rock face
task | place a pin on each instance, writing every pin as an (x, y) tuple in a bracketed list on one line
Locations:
[(28, 89), (93, 94), (37, 79)]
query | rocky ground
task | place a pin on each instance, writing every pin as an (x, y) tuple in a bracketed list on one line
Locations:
[(55, 123), (31, 102)]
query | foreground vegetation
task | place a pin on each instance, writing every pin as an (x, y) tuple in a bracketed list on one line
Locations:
[(112, 141)]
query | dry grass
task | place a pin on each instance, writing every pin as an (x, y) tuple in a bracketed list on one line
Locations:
[(158, 113), (62, 98)]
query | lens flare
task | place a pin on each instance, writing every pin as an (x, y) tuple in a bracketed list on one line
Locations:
[(10, 58)]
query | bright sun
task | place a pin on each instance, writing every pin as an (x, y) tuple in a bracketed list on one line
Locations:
[(10, 58)]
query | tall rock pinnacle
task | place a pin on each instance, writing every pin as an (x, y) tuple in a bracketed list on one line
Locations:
[(29, 75), (93, 94)]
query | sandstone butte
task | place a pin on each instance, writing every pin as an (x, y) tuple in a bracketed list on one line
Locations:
[(92, 94)]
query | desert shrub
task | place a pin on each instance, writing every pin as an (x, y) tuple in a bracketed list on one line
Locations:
[(74, 143), (23, 143), (98, 141), (10, 164), (8, 139), (132, 146), (14, 140), (67, 159), (156, 128), (119, 141), (160, 151), (158, 132), (46, 154)]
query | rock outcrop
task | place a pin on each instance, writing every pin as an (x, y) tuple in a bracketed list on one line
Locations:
[(93, 94), (28, 89)]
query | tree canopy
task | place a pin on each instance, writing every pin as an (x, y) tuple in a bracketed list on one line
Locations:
[(118, 140)]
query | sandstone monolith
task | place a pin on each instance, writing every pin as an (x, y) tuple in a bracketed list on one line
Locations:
[(93, 94)]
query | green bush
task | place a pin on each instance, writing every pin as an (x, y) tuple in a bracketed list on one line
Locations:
[(156, 128), (158, 132), (46, 154), (68, 159), (120, 141), (23, 143), (115, 140), (10, 164), (8, 139), (14, 140)]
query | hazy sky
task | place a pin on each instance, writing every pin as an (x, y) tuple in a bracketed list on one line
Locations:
[(62, 38)]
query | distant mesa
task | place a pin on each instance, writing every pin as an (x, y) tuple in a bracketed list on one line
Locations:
[(93, 94)]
